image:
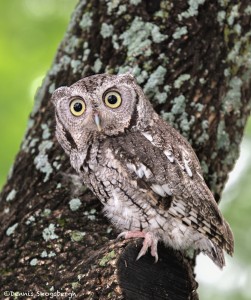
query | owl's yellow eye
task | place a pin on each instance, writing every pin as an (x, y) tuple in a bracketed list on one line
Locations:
[(113, 99), (77, 107)]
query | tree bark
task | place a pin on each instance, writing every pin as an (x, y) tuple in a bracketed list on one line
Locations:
[(193, 61)]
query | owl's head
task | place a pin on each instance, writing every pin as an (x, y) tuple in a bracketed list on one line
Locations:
[(99, 105)]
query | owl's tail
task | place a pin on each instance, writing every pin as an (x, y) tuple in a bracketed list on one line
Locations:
[(228, 237), (216, 254), (214, 249)]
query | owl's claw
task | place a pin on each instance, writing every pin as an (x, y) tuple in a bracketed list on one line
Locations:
[(149, 241)]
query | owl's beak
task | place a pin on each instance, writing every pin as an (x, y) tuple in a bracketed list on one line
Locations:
[(97, 121)]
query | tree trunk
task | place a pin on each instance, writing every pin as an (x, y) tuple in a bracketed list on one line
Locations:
[(193, 60)]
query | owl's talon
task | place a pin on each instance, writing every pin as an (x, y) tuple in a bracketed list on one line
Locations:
[(131, 234), (154, 251), (121, 235), (149, 241)]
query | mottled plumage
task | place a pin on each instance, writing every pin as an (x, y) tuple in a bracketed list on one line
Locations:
[(144, 172)]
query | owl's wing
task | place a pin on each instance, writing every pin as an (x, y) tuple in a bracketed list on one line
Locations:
[(163, 162)]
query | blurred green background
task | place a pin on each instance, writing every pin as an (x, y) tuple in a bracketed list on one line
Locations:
[(30, 32)]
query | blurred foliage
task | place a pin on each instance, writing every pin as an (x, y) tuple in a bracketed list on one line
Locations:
[(30, 33), (233, 283), (248, 127)]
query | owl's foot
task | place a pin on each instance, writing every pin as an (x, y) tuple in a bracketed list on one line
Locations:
[(149, 241)]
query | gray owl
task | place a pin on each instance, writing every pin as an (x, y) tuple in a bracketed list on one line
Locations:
[(144, 172)]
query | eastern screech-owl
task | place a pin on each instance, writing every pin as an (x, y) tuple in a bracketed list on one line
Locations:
[(144, 172)]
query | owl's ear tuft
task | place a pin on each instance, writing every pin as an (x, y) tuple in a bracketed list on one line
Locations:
[(128, 75), (58, 93)]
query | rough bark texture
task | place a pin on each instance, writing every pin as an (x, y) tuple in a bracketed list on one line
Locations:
[(193, 60)]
